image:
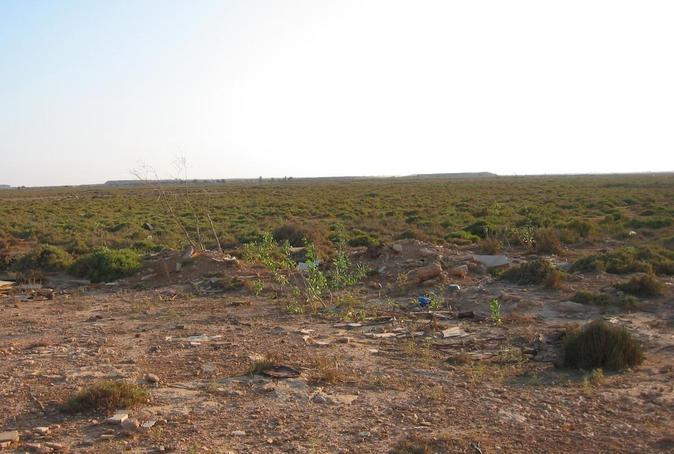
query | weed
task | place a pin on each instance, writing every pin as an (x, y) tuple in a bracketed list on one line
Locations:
[(599, 344), (495, 311), (328, 369), (416, 444), (106, 397)]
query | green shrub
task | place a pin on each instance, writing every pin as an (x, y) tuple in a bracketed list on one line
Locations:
[(619, 261), (145, 246), (534, 272), (462, 235), (363, 239), (45, 257), (105, 264), (480, 228), (106, 397), (599, 344), (644, 285), (547, 241)]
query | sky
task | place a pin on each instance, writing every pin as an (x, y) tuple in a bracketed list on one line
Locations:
[(92, 89)]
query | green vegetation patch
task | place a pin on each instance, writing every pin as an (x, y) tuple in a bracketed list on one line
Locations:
[(628, 260), (105, 264), (44, 257)]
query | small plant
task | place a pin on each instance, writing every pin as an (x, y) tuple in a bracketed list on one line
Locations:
[(435, 303), (599, 344), (256, 287), (107, 397), (294, 308), (328, 369), (645, 285), (105, 264), (495, 311)]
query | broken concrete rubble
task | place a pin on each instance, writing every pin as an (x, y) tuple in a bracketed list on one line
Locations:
[(424, 273), (491, 261)]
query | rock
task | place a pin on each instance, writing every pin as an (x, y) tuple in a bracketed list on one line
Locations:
[(151, 378), (130, 424), (319, 398), (117, 418), (42, 430), (149, 424), (491, 261), (12, 436), (397, 247), (458, 271), (511, 416), (424, 273), (239, 433), (55, 446), (32, 445), (5, 444), (453, 288)]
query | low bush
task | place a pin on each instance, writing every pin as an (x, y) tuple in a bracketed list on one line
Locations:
[(585, 297), (619, 261), (654, 223), (490, 245), (600, 345), (363, 239), (45, 257), (5, 258), (293, 234), (627, 302), (106, 397), (537, 271), (480, 228), (645, 285), (462, 235), (546, 241), (584, 229), (105, 264)]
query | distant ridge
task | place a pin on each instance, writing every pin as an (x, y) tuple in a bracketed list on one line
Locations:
[(463, 175), (454, 175)]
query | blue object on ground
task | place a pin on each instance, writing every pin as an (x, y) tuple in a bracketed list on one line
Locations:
[(424, 300)]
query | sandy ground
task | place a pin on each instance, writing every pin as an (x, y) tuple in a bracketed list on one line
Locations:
[(401, 373)]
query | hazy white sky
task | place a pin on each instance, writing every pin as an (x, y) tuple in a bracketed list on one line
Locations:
[(318, 88)]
